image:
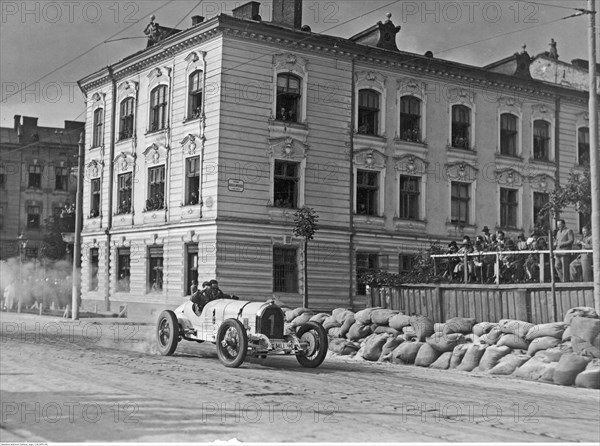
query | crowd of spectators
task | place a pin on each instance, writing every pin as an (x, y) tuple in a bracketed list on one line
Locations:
[(514, 264)]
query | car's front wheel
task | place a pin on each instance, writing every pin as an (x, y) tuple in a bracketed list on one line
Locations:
[(314, 336), (167, 333), (232, 343)]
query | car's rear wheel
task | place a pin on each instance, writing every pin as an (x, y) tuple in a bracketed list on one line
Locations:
[(315, 337), (232, 343), (167, 333)]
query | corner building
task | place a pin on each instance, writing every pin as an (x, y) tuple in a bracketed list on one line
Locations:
[(204, 144)]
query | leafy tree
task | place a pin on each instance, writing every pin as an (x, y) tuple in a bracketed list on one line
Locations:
[(305, 226), (54, 246), (577, 192)]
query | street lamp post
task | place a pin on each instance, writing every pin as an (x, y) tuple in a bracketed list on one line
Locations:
[(22, 244), (75, 291)]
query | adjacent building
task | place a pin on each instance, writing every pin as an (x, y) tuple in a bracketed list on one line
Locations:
[(203, 145)]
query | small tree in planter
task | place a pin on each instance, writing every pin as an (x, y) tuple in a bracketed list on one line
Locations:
[(305, 226)]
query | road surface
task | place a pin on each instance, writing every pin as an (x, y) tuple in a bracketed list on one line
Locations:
[(64, 382)]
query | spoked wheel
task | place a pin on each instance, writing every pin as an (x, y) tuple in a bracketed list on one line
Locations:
[(167, 333), (314, 335), (232, 343)]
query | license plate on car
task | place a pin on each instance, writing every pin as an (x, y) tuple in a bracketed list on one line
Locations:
[(280, 345)]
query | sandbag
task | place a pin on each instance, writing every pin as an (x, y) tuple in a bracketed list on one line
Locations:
[(443, 362), (459, 325), (584, 348), (457, 355), (298, 311), (472, 358), (586, 329), (445, 342), (483, 328), (542, 343), (509, 363), (382, 316), (289, 315), (588, 312), (330, 322), (399, 321), (567, 369), (301, 320), (533, 369), (319, 318), (513, 326), (364, 316), (492, 337), (426, 356), (552, 354), (554, 329), (345, 328), (389, 347), (590, 377), (343, 347), (409, 333), (548, 375), (341, 314), (473, 338), (566, 334), (513, 341), (492, 356), (358, 331), (384, 329), (406, 352), (438, 327), (334, 332), (374, 346), (423, 327)]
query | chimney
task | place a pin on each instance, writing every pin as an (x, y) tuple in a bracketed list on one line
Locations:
[(381, 35), (287, 13), (30, 123), (17, 121), (197, 19), (247, 11)]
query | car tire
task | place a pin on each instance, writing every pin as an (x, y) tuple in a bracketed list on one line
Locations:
[(316, 336), (167, 333), (232, 343)]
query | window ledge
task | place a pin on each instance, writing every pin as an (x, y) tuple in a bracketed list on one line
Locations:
[(508, 157), (282, 123), (408, 225), (546, 162), (151, 132), (188, 120), (411, 143), (465, 229), (122, 140), (461, 149), (369, 220)]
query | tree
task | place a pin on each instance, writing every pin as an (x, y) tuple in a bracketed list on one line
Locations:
[(577, 192), (54, 246), (305, 226)]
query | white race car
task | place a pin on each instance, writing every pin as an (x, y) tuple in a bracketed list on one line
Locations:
[(239, 328)]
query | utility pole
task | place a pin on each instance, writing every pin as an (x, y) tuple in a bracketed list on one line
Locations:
[(78, 226), (594, 156)]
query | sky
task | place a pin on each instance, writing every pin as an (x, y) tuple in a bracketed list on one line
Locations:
[(47, 46)]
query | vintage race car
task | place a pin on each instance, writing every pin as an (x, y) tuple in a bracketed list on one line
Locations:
[(239, 328)]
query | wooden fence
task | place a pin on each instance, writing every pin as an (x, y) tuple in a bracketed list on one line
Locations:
[(529, 302)]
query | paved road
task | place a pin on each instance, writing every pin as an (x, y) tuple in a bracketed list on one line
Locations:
[(84, 382)]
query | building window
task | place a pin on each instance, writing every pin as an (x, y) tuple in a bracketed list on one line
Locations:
[(94, 264), (124, 202), (460, 202), (584, 220), (123, 270), (98, 126), (33, 217), (195, 95), (540, 199), (126, 123), (365, 263), (509, 205), (191, 266), (461, 127), (368, 112), (405, 263), (95, 198), (410, 119), (2, 176), (61, 180), (156, 188), (285, 270), (367, 189), (286, 184), (155, 269), (192, 178), (541, 140), (409, 197), (158, 108), (288, 97), (583, 145), (35, 176), (508, 134)]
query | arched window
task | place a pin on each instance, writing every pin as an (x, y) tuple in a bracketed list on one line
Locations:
[(508, 134), (195, 95), (368, 112), (158, 108), (410, 118), (98, 127), (289, 92), (126, 122), (461, 127), (583, 145), (541, 140)]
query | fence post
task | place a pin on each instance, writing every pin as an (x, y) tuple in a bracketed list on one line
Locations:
[(542, 266), (465, 269), (497, 268)]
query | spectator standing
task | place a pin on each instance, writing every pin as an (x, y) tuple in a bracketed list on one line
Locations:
[(580, 267), (564, 240)]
